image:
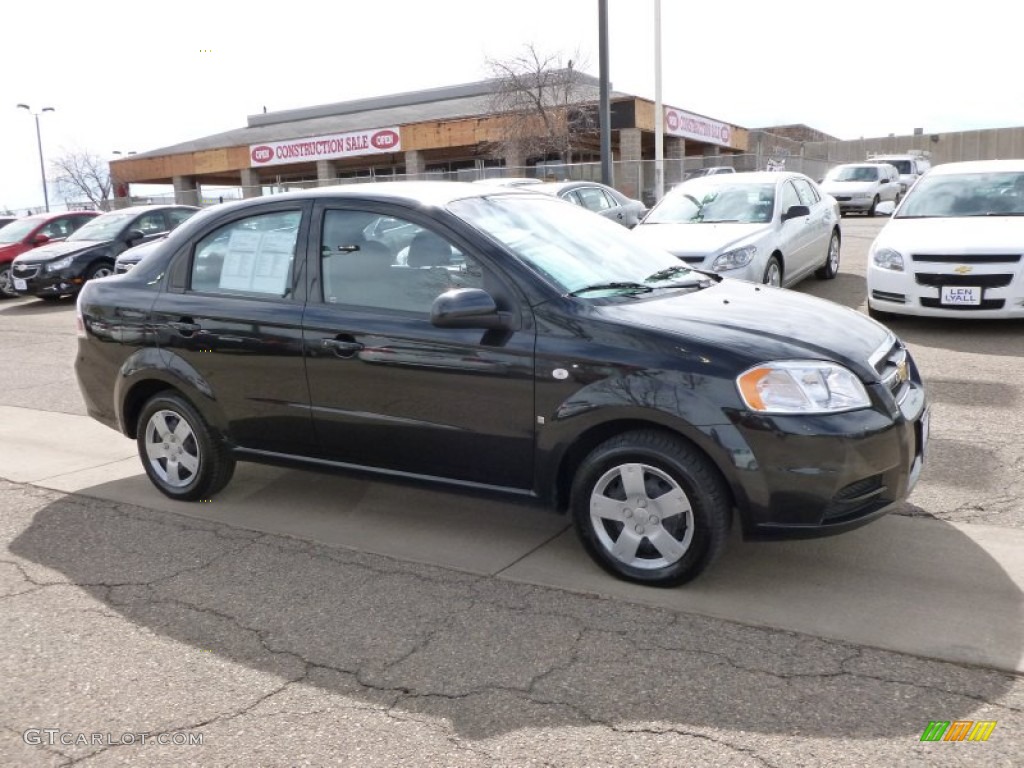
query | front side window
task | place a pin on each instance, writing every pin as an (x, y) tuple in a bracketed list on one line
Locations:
[(594, 199), (389, 263), (150, 223), (808, 195), (248, 257), (789, 196), (178, 216)]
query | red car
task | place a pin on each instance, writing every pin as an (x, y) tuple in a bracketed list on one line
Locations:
[(28, 232)]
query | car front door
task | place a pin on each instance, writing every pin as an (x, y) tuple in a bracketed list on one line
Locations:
[(389, 389), (231, 322), (795, 234), (819, 224)]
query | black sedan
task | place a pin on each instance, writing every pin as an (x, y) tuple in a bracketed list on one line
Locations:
[(521, 346), (60, 269)]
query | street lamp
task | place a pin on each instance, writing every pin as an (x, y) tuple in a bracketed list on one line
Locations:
[(39, 143)]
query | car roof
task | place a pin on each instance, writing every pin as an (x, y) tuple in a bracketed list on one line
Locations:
[(978, 166), (415, 193), (160, 206), (56, 215), (866, 164), (746, 177)]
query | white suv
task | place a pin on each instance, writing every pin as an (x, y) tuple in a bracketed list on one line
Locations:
[(862, 186)]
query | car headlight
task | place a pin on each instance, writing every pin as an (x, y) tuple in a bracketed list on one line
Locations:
[(57, 266), (734, 259), (801, 386), (887, 258)]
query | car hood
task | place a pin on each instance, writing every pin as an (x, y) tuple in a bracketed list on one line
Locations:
[(959, 235), (849, 187), (761, 323), (683, 239), (57, 250)]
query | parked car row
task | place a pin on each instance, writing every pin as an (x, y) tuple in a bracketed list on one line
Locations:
[(53, 255)]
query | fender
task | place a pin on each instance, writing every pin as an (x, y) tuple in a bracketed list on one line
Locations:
[(148, 366)]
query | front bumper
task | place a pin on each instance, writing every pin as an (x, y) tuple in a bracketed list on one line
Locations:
[(847, 204), (34, 280), (919, 289), (811, 476)]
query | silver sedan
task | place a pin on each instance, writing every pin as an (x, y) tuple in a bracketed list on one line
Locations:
[(767, 227)]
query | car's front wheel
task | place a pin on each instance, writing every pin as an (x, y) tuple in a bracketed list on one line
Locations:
[(874, 205), (103, 269), (650, 508), (182, 457), (831, 266), (7, 282), (772, 272)]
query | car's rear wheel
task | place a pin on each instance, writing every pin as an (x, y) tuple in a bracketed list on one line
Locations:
[(874, 204), (831, 266), (650, 508), (178, 450), (773, 272), (7, 283)]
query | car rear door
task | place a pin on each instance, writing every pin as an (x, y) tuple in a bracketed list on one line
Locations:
[(231, 325), (390, 390)]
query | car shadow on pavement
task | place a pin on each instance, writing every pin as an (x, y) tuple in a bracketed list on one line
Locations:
[(493, 656), (845, 289), (36, 306), (1000, 338)]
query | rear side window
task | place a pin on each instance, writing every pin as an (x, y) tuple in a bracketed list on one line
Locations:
[(253, 256)]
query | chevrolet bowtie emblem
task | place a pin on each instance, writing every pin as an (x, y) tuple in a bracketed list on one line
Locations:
[(963, 269)]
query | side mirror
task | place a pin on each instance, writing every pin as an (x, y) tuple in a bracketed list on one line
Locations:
[(795, 212), (134, 236), (468, 308), (40, 239), (886, 208)]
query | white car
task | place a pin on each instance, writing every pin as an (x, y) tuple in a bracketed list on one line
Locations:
[(861, 187), (954, 247), (766, 227)]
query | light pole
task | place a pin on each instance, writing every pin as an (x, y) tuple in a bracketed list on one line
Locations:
[(39, 143)]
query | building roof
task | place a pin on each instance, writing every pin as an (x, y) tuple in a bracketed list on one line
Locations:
[(434, 104)]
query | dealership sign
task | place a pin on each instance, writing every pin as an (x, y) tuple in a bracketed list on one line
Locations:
[(689, 126), (372, 142)]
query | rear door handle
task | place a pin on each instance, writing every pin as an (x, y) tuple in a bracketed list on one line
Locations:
[(342, 347)]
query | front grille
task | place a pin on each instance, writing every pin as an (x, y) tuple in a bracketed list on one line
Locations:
[(25, 271), (692, 259), (985, 304), (843, 198), (983, 281), (957, 258), (893, 368)]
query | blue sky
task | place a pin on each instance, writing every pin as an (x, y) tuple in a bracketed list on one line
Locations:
[(131, 76)]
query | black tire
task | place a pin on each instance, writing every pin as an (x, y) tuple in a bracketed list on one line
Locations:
[(874, 204), (676, 478), (185, 433), (831, 266), (772, 267), (100, 269), (7, 282)]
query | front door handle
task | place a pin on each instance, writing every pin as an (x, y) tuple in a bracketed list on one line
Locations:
[(185, 326), (342, 346)]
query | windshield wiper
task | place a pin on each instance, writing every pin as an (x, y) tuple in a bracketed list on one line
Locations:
[(613, 286)]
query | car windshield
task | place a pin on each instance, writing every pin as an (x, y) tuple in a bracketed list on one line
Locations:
[(105, 227), (856, 173), (571, 247), (966, 194), (15, 231), (712, 202)]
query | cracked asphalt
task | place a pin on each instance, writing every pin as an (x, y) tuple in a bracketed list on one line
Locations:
[(281, 652), (116, 619)]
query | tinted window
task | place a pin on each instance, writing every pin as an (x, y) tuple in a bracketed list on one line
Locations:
[(178, 215), (389, 263), (61, 227), (252, 256), (150, 223)]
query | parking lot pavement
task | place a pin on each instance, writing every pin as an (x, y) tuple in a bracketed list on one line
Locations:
[(304, 619), (875, 586), (120, 621)]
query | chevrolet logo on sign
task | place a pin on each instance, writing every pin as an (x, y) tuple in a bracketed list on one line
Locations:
[(963, 269)]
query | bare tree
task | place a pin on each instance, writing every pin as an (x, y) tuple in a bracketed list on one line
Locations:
[(549, 105), (79, 176)]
